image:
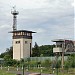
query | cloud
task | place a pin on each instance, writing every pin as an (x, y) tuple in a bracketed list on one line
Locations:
[(39, 30), (51, 19), (4, 26)]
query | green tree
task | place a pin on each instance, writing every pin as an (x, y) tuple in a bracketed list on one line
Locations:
[(46, 50), (35, 50), (70, 62), (8, 61), (9, 51), (46, 63)]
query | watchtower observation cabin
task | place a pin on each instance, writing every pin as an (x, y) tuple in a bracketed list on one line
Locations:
[(64, 46), (59, 49), (59, 45), (22, 44)]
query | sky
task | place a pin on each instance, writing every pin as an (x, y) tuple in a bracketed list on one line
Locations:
[(51, 19)]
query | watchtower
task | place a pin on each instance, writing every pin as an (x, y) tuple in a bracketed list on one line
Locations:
[(22, 44), (22, 40), (59, 48), (63, 47)]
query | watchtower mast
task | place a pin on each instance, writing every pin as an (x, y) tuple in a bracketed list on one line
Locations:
[(14, 13)]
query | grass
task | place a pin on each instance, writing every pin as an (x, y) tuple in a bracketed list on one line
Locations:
[(2, 72), (44, 70), (49, 71)]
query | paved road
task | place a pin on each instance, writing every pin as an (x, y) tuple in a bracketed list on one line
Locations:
[(26, 73)]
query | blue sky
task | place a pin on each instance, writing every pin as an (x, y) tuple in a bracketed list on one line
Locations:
[(51, 19)]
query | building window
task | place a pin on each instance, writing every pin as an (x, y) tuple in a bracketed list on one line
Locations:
[(17, 42), (27, 34), (23, 33), (15, 34), (18, 33), (30, 34), (25, 42)]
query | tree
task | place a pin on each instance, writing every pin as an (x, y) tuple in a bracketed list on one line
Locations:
[(9, 51), (46, 50), (35, 50), (70, 62), (43, 51), (46, 63)]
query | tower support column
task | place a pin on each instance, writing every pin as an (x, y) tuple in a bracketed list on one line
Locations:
[(62, 63)]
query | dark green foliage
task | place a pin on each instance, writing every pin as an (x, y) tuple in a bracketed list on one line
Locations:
[(9, 51), (70, 62), (46, 63), (35, 50), (2, 55), (43, 51), (46, 50), (10, 62), (8, 57), (58, 64)]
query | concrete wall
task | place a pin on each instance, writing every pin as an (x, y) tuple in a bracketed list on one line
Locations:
[(21, 49)]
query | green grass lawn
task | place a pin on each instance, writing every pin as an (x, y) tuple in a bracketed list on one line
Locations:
[(49, 71), (44, 70), (2, 72)]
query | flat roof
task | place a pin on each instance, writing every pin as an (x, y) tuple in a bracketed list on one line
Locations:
[(58, 40), (21, 31)]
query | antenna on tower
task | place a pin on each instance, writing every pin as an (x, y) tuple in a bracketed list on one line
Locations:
[(14, 13)]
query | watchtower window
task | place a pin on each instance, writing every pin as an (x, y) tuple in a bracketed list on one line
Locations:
[(23, 33), (30, 34), (15, 34), (59, 45), (17, 42), (18, 33), (27, 34), (26, 42)]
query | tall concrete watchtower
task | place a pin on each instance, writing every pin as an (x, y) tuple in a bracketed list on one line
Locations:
[(22, 40), (22, 44)]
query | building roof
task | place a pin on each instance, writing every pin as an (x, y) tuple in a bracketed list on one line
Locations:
[(58, 40), (22, 31)]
